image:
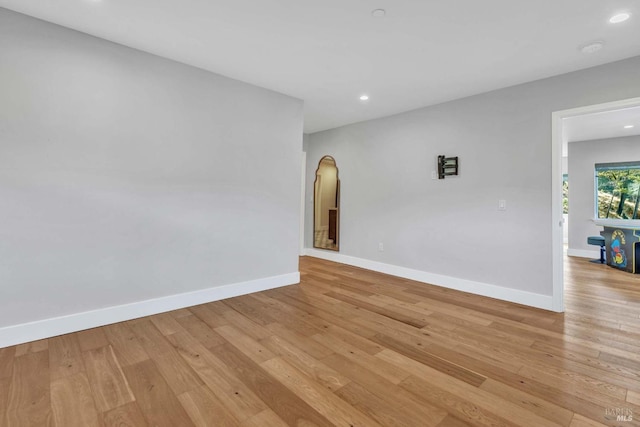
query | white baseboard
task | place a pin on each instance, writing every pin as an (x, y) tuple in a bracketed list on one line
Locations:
[(582, 253), (26, 332), (498, 292)]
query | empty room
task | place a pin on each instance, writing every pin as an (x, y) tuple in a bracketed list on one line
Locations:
[(337, 213)]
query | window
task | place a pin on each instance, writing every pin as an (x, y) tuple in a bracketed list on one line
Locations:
[(617, 188)]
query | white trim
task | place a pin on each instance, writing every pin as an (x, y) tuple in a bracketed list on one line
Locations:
[(557, 217), (618, 223), (583, 253), (26, 332), (478, 288), (302, 199), (556, 187)]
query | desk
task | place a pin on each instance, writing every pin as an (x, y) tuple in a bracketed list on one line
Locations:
[(623, 247)]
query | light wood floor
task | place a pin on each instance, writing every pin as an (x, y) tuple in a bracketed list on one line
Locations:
[(347, 347)]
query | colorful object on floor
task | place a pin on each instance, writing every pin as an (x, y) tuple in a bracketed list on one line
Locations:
[(623, 248)]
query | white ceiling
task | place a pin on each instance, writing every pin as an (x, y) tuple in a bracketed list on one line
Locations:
[(329, 52), (609, 124)]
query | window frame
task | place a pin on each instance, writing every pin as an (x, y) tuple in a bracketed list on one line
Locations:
[(612, 166)]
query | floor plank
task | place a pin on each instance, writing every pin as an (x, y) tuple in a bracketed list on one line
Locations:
[(166, 323), (205, 409), (150, 337), (176, 372), (345, 347), (266, 418), (541, 407), (4, 396), (200, 331), (209, 315), (71, 402), (391, 394), (110, 387), (314, 368), (92, 338), (65, 357), (7, 355), (285, 403), (128, 415), (157, 402), (385, 414), (633, 397), (31, 347), (319, 398), (125, 344), (28, 400), (247, 345), (234, 395)]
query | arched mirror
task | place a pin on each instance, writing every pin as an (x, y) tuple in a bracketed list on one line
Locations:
[(326, 205)]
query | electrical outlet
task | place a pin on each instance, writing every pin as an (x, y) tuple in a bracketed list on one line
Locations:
[(502, 205), (380, 247)]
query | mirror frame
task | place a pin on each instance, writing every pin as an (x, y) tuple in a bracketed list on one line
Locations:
[(315, 197)]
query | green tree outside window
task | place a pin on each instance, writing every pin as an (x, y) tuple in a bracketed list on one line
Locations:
[(618, 188)]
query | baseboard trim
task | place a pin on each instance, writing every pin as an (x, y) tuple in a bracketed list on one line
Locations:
[(498, 292), (46, 328), (583, 253)]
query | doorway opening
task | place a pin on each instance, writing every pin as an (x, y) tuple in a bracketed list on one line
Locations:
[(559, 119)]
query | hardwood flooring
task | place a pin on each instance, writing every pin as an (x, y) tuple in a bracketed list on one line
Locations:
[(347, 347)]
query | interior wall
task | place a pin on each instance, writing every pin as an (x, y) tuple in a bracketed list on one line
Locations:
[(583, 155), (453, 227), (126, 177)]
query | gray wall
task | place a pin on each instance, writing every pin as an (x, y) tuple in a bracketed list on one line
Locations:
[(583, 156), (124, 176), (452, 227)]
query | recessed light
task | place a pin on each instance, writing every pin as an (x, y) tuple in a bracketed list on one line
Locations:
[(378, 13), (620, 17), (592, 47), (364, 97), (628, 127)]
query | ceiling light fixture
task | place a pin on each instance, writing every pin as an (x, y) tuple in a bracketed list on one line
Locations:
[(364, 97), (620, 17), (378, 13), (628, 127), (592, 47)]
